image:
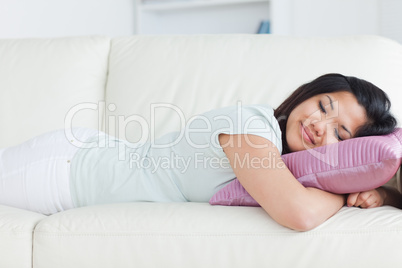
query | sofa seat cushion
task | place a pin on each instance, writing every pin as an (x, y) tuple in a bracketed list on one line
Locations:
[(200, 235), (16, 232)]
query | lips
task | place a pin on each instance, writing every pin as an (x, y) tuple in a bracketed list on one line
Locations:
[(306, 134)]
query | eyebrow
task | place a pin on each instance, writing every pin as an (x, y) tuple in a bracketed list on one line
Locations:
[(346, 130), (332, 107), (330, 102)]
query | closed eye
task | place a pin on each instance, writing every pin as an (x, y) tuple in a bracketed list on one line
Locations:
[(322, 107), (337, 135)]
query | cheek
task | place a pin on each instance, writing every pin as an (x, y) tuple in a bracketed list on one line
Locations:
[(331, 140), (330, 136), (293, 139), (314, 115)]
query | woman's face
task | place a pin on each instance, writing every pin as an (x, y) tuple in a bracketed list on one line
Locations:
[(324, 119)]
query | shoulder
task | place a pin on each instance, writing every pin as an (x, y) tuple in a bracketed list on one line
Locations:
[(255, 119), (244, 115)]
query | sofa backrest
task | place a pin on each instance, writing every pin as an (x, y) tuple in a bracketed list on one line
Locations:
[(185, 75), (41, 80), (47, 84)]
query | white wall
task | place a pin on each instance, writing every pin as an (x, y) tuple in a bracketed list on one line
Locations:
[(340, 17), (54, 18), (337, 17), (326, 17), (390, 15)]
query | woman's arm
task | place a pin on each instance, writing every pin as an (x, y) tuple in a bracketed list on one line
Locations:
[(266, 178)]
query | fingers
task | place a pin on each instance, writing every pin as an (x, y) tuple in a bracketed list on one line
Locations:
[(367, 199), (363, 200), (373, 205), (352, 198)]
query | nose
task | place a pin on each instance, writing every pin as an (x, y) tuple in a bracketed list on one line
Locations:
[(319, 127)]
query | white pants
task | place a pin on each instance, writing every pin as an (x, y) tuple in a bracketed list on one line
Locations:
[(35, 175)]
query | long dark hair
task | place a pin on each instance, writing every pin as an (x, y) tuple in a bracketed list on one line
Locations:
[(373, 99)]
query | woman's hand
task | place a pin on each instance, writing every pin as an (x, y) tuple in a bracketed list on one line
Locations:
[(381, 196), (368, 199)]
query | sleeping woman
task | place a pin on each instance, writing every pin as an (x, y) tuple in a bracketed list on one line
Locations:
[(55, 172)]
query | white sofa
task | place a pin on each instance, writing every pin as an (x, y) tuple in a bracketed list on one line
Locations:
[(117, 84)]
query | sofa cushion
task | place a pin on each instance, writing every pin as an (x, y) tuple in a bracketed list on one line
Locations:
[(42, 79), (158, 82), (16, 236), (200, 235)]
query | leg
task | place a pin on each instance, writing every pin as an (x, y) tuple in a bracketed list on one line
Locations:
[(35, 174)]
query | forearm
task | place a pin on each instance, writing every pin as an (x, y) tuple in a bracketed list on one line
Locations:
[(391, 196), (309, 208), (324, 204)]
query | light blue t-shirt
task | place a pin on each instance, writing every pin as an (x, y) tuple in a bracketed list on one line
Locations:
[(183, 166)]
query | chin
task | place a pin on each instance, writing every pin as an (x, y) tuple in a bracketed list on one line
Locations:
[(296, 147), (292, 149)]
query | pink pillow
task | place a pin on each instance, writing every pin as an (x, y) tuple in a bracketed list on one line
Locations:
[(354, 165)]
